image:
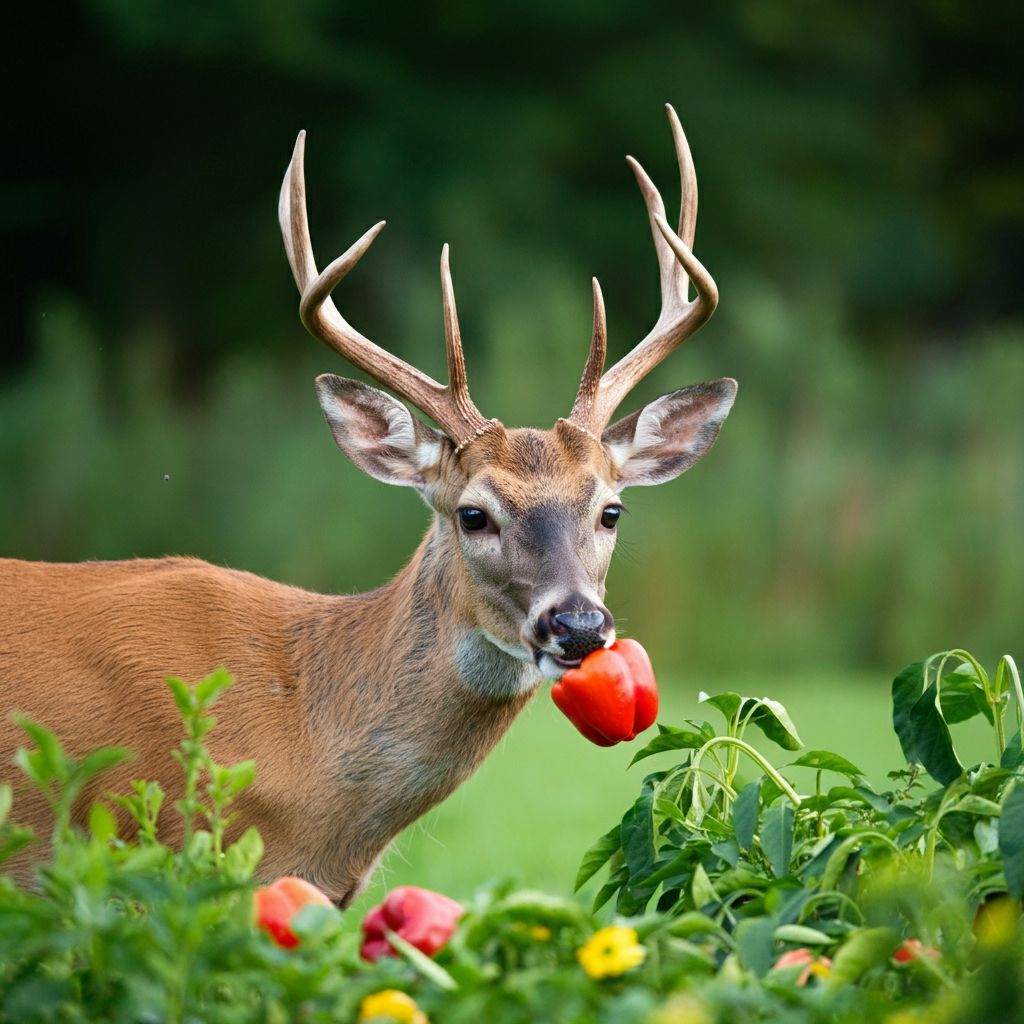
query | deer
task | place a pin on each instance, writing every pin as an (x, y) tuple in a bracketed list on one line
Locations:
[(364, 711)]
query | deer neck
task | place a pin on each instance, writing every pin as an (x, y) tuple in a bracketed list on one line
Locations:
[(410, 665), (406, 696)]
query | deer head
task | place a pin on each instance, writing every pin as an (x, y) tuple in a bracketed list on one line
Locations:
[(524, 519)]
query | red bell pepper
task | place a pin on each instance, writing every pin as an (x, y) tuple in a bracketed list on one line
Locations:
[(423, 918), (914, 949), (612, 696), (274, 907)]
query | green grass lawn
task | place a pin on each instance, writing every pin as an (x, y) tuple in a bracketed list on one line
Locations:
[(545, 794)]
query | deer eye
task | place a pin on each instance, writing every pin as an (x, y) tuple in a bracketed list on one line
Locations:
[(472, 519), (610, 516)]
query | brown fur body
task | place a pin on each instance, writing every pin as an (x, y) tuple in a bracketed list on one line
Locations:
[(357, 709)]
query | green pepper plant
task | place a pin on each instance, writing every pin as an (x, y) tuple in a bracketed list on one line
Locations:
[(760, 870), (728, 898)]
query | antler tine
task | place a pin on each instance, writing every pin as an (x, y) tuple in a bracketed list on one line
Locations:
[(458, 387), (450, 407), (581, 408), (679, 317)]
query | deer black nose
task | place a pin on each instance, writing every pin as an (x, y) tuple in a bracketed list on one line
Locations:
[(578, 632), (574, 622)]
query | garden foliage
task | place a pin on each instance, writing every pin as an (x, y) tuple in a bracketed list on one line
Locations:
[(733, 901)]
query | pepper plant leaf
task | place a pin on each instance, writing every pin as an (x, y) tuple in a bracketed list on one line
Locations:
[(671, 738), (597, 856), (727, 703), (701, 889), (866, 948), (637, 836), (777, 836), (1013, 755), (906, 689), (872, 799), (773, 720), (615, 882), (1011, 842), (755, 943), (962, 697), (932, 743), (825, 760), (744, 813)]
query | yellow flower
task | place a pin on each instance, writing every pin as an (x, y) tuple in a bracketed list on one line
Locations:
[(610, 952), (394, 1005), (540, 933)]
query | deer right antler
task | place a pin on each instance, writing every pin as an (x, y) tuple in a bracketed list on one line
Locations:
[(598, 395), (450, 407)]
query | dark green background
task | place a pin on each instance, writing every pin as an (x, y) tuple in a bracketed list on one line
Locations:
[(862, 198)]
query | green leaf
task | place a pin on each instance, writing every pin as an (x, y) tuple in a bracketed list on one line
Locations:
[(102, 760), (906, 690), (728, 850), (182, 696), (744, 813), (608, 890), (1013, 754), (241, 858), (801, 935), (315, 921), (678, 865), (45, 740), (200, 846), (637, 836), (209, 689), (695, 923), (727, 703), (702, 890), (872, 799), (596, 857), (823, 853), (240, 776), (667, 809), (671, 738), (932, 742), (101, 822), (773, 720), (755, 943), (1011, 842), (434, 972), (34, 766), (825, 760), (978, 805), (777, 836), (865, 949), (958, 697), (5, 802)]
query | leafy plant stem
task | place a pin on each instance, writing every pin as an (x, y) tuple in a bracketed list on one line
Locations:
[(768, 768), (819, 825), (992, 694), (1007, 666)]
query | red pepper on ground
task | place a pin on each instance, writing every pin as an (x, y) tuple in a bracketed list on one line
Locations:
[(274, 907), (914, 949), (612, 696), (814, 966), (423, 918)]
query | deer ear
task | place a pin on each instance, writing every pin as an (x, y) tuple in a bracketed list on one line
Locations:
[(378, 433), (666, 437)]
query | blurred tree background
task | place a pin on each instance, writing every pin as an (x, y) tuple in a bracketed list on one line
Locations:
[(862, 210)]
